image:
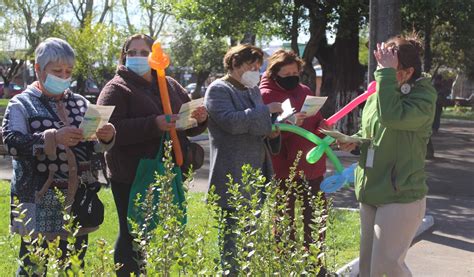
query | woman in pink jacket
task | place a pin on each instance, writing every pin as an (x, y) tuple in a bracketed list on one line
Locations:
[(281, 82)]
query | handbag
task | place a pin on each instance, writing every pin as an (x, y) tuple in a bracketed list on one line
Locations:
[(194, 156), (144, 179), (87, 207)]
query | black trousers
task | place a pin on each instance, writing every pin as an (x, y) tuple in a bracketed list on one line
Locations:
[(124, 253), (80, 241), (306, 191)]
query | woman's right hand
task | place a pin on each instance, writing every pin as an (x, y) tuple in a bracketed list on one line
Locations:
[(69, 136), (300, 117), (163, 124), (346, 146), (275, 107)]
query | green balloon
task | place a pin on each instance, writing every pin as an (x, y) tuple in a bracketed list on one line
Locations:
[(322, 145)]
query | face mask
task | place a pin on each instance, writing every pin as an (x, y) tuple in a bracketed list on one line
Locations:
[(138, 65), (250, 79), (56, 85), (289, 82)]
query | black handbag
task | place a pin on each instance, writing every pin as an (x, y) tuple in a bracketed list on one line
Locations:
[(194, 156), (87, 208)]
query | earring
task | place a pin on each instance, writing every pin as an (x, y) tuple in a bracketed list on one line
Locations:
[(405, 88)]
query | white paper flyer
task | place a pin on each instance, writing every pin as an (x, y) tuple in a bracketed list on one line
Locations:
[(185, 121), (96, 116), (312, 104), (287, 113)]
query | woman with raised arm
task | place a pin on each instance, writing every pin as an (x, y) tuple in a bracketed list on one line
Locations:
[(390, 179)]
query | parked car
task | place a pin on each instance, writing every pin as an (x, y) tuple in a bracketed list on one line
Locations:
[(192, 86), (14, 89), (91, 90)]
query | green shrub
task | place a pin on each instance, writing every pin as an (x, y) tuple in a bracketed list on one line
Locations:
[(262, 234)]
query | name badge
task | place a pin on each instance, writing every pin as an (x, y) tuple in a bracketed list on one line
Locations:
[(369, 163)]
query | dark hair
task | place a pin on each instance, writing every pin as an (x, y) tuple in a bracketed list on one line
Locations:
[(123, 55), (281, 58), (240, 54), (409, 49)]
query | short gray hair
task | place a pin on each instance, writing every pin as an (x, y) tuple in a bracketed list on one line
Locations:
[(54, 50)]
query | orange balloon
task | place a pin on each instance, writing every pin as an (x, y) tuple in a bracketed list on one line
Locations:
[(159, 61)]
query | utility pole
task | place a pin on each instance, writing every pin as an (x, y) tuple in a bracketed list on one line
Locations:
[(384, 22)]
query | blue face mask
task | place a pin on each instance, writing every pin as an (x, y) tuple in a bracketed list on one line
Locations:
[(56, 85), (139, 65)]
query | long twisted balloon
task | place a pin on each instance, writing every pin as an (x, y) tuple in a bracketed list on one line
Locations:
[(352, 105), (159, 61)]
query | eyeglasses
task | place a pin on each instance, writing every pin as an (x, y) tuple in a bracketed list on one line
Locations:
[(141, 53)]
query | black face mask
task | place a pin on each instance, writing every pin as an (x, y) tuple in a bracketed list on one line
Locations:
[(289, 82)]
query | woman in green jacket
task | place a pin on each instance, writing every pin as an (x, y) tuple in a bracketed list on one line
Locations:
[(390, 180)]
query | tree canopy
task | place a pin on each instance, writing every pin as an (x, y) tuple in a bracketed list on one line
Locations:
[(96, 29)]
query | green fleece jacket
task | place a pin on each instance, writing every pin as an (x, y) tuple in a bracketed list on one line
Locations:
[(399, 126)]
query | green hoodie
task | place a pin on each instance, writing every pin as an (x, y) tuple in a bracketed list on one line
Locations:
[(400, 126)]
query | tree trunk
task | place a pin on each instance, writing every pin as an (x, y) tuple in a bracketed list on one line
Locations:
[(349, 74), (385, 22), (81, 85), (249, 38), (326, 58), (372, 39), (201, 79), (295, 27), (428, 55), (317, 30)]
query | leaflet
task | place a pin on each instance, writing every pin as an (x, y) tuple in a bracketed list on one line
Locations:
[(288, 112), (343, 138), (312, 104), (185, 121), (95, 118)]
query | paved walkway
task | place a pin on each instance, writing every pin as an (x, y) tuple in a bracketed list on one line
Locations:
[(447, 249)]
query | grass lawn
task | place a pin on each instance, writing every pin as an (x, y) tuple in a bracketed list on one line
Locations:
[(343, 244), (466, 113)]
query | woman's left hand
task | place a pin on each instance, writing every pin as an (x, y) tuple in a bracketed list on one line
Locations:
[(274, 134), (106, 133), (200, 114)]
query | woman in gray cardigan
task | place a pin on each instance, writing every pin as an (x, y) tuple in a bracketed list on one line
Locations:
[(239, 129)]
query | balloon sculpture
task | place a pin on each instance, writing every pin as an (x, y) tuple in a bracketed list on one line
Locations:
[(159, 61), (342, 176)]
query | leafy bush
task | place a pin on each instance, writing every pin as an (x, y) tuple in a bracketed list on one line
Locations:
[(263, 234)]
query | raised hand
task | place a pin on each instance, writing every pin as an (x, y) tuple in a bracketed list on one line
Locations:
[(386, 57)]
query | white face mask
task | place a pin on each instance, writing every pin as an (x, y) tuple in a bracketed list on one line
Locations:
[(250, 79)]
